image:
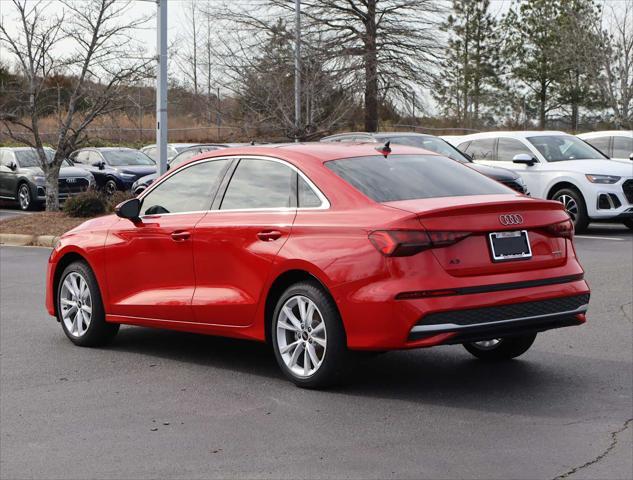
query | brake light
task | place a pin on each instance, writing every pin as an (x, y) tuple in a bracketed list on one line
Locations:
[(404, 243), (563, 229)]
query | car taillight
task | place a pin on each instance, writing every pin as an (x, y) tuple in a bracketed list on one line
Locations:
[(404, 243), (563, 229)]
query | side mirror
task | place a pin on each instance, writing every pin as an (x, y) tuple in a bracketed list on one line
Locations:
[(168, 167), (99, 165), (631, 157), (524, 159), (129, 209), (13, 166)]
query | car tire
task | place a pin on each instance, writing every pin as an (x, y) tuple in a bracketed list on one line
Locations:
[(80, 308), (25, 197), (575, 206), (628, 223), (499, 349), (306, 316), (110, 187)]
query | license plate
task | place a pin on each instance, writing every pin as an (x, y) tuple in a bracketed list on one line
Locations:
[(510, 246)]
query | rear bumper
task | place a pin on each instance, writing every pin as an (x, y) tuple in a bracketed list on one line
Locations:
[(513, 319), (470, 315)]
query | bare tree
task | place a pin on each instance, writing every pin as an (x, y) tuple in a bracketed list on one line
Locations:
[(254, 54), (91, 44), (615, 80), (389, 46)]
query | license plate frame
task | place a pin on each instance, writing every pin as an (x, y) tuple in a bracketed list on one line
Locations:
[(497, 256)]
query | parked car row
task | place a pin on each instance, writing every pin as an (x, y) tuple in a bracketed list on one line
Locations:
[(591, 175)]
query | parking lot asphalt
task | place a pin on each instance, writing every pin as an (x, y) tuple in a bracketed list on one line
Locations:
[(159, 404)]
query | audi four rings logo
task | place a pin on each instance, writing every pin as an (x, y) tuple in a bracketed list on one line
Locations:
[(511, 219)]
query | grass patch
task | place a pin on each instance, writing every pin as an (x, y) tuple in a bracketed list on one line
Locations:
[(42, 223)]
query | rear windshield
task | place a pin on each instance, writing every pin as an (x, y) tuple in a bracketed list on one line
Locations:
[(407, 177)]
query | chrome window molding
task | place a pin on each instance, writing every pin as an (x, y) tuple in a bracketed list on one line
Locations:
[(325, 203)]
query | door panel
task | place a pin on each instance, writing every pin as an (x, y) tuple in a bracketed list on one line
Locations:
[(150, 269), (234, 252), (150, 264)]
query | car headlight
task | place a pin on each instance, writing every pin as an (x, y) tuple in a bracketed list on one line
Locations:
[(39, 179), (602, 178)]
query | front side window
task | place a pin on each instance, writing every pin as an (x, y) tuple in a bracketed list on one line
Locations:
[(481, 149), (188, 190), (508, 148), (559, 148), (120, 158), (407, 177), (622, 147), (259, 184), (81, 157)]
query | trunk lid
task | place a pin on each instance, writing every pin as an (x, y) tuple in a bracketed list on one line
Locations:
[(481, 215)]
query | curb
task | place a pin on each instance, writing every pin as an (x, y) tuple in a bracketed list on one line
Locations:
[(16, 240)]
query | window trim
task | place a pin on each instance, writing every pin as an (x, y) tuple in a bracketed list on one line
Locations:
[(325, 203), (224, 183)]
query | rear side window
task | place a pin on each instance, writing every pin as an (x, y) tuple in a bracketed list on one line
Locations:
[(406, 177), (622, 147), (307, 197), (188, 190), (260, 184), (601, 143), (481, 149)]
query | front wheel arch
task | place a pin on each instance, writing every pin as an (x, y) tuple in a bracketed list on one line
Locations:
[(63, 262)]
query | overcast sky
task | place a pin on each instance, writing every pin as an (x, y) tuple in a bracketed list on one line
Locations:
[(177, 18)]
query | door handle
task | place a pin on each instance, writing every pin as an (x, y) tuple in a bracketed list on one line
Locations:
[(269, 235), (180, 235)]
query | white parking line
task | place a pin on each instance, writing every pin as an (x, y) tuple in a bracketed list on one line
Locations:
[(590, 237)]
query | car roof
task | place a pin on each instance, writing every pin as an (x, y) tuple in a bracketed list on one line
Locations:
[(22, 149), (378, 134), (511, 134), (314, 152), (607, 133)]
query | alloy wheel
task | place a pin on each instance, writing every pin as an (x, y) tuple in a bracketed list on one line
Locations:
[(75, 303), (301, 336), (24, 196), (571, 207)]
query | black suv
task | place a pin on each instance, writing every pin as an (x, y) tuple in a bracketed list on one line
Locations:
[(114, 168), (437, 145), (22, 179)]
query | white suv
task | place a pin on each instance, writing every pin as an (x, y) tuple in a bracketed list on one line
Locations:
[(561, 167), (617, 144)]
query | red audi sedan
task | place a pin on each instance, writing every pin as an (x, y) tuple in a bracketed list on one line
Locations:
[(324, 250)]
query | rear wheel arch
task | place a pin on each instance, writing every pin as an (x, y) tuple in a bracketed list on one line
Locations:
[(280, 285)]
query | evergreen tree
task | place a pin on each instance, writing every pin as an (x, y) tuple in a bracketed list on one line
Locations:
[(468, 77), (533, 38)]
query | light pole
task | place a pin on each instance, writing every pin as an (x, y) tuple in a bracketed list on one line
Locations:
[(161, 87), (297, 68)]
